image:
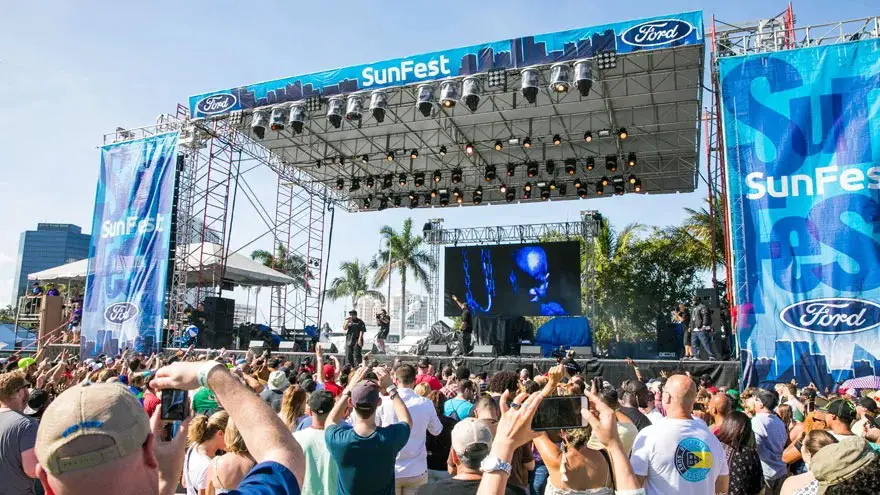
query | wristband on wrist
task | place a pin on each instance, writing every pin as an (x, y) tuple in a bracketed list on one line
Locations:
[(204, 371)]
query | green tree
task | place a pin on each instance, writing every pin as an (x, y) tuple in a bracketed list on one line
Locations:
[(353, 283), (7, 314), (610, 265), (405, 254), (695, 234), (290, 264)]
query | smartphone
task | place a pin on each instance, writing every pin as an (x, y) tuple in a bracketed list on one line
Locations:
[(556, 413), (175, 404)]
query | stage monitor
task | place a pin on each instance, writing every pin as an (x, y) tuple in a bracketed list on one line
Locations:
[(514, 279)]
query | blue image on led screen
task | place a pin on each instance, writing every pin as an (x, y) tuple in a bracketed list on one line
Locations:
[(531, 273)]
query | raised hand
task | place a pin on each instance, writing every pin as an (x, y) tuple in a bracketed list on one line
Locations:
[(603, 420), (515, 426)]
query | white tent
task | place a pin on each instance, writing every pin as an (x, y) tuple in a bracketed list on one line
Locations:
[(240, 269)]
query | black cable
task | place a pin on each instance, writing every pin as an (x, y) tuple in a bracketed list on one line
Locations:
[(329, 205), (228, 233)]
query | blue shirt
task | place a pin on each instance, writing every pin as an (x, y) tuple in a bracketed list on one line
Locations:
[(460, 407), (268, 478), (770, 438), (366, 462)]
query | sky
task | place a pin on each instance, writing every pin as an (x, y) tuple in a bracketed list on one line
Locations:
[(72, 71)]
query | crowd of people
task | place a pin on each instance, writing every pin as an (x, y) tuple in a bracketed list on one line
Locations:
[(261, 424)]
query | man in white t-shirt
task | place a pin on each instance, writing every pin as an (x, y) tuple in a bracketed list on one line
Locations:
[(321, 469), (679, 455)]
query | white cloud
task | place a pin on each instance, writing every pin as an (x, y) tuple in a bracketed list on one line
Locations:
[(5, 258)]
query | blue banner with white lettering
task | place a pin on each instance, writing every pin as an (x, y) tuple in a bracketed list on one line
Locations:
[(620, 38), (802, 139), (128, 259)]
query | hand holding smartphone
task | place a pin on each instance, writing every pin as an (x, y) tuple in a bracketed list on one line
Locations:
[(175, 405)]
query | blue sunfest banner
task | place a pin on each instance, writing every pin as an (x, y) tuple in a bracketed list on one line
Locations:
[(621, 37), (802, 139), (128, 259)]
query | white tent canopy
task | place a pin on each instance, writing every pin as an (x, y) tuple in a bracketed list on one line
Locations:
[(240, 269)]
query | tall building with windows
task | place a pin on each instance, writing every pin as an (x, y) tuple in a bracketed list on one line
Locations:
[(51, 245)]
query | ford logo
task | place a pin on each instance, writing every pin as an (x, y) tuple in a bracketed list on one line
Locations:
[(216, 103), (655, 33), (121, 312), (832, 315)]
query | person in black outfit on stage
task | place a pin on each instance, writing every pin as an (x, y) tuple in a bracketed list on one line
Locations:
[(384, 322), (354, 338), (466, 330)]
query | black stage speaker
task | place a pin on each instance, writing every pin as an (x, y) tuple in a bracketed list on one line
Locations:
[(667, 340), (219, 314)]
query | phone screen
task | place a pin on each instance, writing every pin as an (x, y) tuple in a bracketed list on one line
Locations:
[(556, 413), (175, 404)]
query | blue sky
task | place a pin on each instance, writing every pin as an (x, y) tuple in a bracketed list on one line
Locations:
[(72, 71)]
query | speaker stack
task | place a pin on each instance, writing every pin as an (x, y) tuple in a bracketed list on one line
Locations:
[(219, 315)]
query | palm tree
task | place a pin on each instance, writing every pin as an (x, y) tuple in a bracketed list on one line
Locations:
[(696, 234), (607, 260), (353, 283), (290, 264), (406, 256)]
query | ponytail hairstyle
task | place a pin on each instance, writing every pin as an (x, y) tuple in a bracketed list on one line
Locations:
[(233, 440), (293, 405), (203, 428)]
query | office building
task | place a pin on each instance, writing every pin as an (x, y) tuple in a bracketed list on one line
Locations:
[(51, 245)]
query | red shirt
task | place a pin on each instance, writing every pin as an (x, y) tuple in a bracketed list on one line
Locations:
[(333, 388), (150, 403), (431, 380)]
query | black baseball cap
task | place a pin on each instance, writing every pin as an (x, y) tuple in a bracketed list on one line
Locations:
[(321, 402), (868, 403), (842, 408), (424, 362), (353, 312), (38, 401)]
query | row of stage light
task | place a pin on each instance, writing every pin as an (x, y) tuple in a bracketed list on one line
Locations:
[(563, 77), (546, 189)]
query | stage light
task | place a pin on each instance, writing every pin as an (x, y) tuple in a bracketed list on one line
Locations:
[(428, 197), (591, 163), (318, 163), (552, 185), (529, 84), (443, 150), (259, 122), (414, 201), (341, 160), (490, 173), (611, 163), (397, 200), (531, 169), (604, 180), (419, 179), (562, 189), (499, 146), (448, 93), (510, 195), (387, 180), (581, 188), (479, 190), (570, 166), (354, 106), (502, 188), (412, 194), (527, 187), (550, 166), (622, 134), (444, 200), (527, 194), (560, 78), (496, 78), (314, 103), (365, 158), (389, 156), (511, 169), (604, 132), (513, 140), (355, 185), (371, 182), (433, 193), (297, 117), (437, 176), (401, 179), (541, 183), (368, 201), (456, 192), (631, 159), (470, 92), (582, 193), (383, 203), (459, 199), (469, 149), (278, 117), (631, 179), (425, 99), (583, 76), (578, 183), (477, 199), (340, 184), (557, 140), (456, 175), (335, 109), (606, 59), (545, 193), (378, 105), (619, 185), (637, 187), (414, 153), (527, 143), (588, 137), (600, 188)]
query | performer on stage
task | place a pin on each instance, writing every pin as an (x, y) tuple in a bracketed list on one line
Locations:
[(466, 329), (383, 319), (683, 316), (354, 338)]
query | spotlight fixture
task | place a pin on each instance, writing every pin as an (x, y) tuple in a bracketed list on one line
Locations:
[(278, 117), (604, 180), (297, 118), (560, 78), (499, 146), (532, 169), (419, 179), (389, 156), (341, 159), (527, 143), (529, 84), (545, 193), (437, 176), (469, 149), (378, 105), (401, 179), (631, 179), (583, 76), (510, 195), (459, 199), (354, 107), (340, 184), (387, 180), (355, 185), (496, 78), (433, 193), (371, 182), (582, 192), (600, 188), (414, 153), (513, 140), (570, 166), (456, 175), (631, 159), (606, 59), (581, 188), (557, 140), (511, 169), (318, 164), (591, 163), (502, 188), (365, 158), (550, 166), (397, 200), (611, 163), (604, 132), (456, 192), (413, 201), (621, 133), (412, 194), (490, 173), (443, 150), (477, 199), (479, 190), (448, 93), (619, 185), (335, 109), (259, 123), (444, 199), (427, 198), (541, 183), (578, 183), (383, 203), (527, 193), (470, 92), (314, 103), (552, 185), (527, 187), (637, 187), (588, 137), (562, 189), (368, 200), (425, 99)]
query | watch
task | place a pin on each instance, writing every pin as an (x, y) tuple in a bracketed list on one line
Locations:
[(491, 464), (391, 390)]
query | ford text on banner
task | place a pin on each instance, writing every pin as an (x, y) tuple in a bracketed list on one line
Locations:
[(131, 231), (802, 139)]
